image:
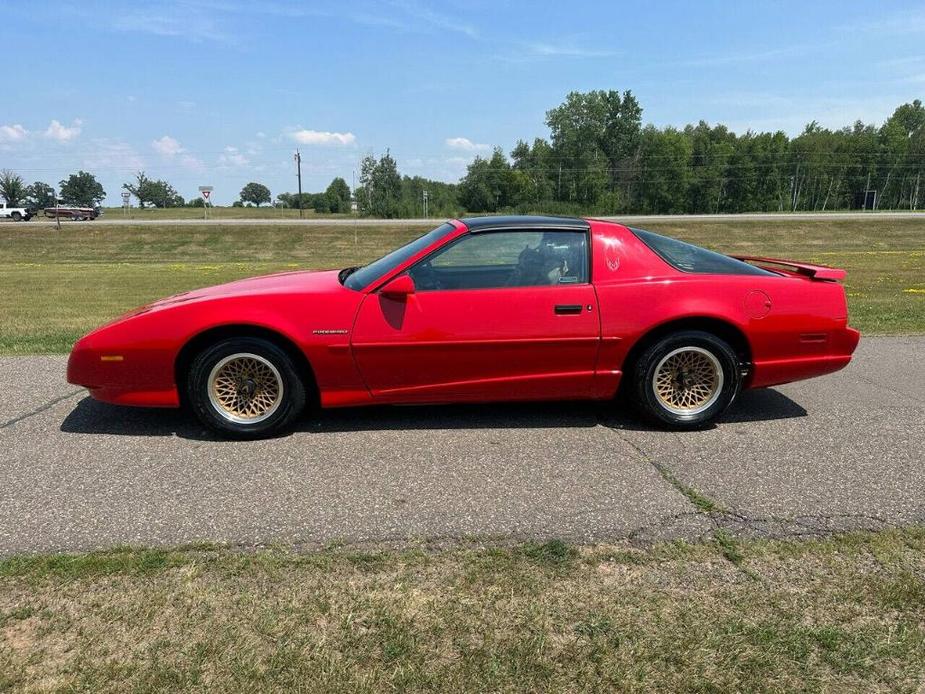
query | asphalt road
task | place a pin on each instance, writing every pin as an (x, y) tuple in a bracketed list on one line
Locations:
[(117, 219), (840, 452)]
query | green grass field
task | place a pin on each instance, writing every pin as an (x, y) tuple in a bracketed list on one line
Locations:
[(265, 212), (55, 286), (841, 614)]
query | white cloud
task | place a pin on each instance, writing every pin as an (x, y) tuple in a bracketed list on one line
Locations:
[(911, 21), (465, 144), (63, 133), (194, 23), (191, 162), (564, 50), (167, 146), (322, 137), (232, 157), (755, 56), (261, 134), (399, 15), (113, 154), (432, 20), (12, 133)]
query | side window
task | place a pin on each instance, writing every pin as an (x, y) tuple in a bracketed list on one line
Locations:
[(687, 257), (493, 259)]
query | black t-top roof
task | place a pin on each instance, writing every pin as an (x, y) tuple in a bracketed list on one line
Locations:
[(523, 221)]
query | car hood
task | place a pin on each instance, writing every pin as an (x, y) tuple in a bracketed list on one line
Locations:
[(300, 281)]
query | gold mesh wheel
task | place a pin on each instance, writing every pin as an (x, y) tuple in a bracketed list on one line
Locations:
[(245, 388), (688, 380)]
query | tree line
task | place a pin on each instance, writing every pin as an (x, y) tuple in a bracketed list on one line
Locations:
[(599, 158), (80, 189), (83, 189)]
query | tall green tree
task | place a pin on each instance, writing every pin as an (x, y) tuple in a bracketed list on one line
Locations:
[(337, 196), (255, 193), (532, 166), (156, 193), (81, 189), (291, 200), (141, 188), (489, 184), (12, 188), (380, 187), (441, 198), (711, 151), (40, 195), (595, 138), (902, 138), (665, 165)]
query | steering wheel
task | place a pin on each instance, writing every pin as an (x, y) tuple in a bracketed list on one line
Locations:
[(425, 277)]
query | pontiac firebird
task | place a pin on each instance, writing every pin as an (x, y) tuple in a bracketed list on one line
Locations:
[(478, 310)]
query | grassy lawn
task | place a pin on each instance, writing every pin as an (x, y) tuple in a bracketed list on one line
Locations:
[(842, 614), (54, 286)]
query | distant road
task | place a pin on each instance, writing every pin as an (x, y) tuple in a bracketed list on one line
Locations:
[(627, 219)]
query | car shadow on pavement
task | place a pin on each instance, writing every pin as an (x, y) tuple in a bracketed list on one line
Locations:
[(92, 417)]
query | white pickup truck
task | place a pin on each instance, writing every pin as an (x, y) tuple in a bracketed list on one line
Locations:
[(17, 214)]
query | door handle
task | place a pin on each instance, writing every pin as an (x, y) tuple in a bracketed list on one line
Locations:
[(567, 309)]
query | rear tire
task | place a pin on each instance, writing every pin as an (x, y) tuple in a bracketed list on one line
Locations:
[(245, 388), (686, 380)]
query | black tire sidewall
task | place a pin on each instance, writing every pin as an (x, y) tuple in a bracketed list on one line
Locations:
[(197, 388), (648, 401)]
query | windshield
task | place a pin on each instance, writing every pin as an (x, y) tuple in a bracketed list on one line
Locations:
[(368, 274)]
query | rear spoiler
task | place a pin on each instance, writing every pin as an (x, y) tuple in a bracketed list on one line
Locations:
[(815, 272)]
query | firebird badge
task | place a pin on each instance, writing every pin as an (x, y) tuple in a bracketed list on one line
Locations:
[(329, 332)]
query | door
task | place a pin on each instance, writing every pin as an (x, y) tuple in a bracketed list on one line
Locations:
[(496, 315)]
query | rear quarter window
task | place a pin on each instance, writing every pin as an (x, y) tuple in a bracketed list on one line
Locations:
[(687, 257)]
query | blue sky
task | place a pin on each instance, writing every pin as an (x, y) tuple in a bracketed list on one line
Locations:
[(221, 92)]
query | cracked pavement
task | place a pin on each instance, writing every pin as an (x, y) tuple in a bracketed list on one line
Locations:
[(841, 452)]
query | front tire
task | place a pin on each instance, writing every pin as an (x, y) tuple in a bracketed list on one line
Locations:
[(16, 217), (686, 380), (245, 388)]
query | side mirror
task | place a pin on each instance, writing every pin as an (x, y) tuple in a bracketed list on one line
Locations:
[(398, 287)]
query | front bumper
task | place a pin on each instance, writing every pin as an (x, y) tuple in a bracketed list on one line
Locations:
[(120, 376)]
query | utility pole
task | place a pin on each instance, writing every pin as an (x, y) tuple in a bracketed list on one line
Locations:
[(298, 164), (355, 211), (425, 204)]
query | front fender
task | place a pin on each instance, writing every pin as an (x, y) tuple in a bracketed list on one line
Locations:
[(133, 360)]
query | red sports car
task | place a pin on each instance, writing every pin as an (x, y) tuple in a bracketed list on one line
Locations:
[(481, 309)]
